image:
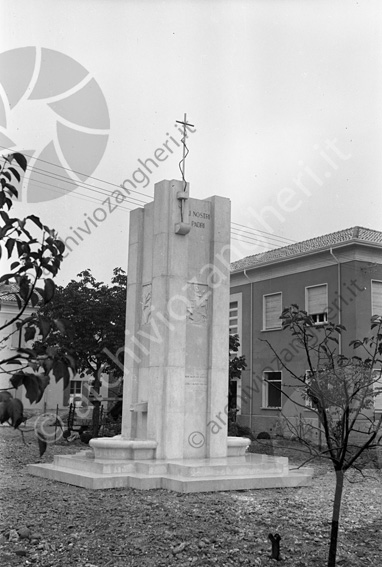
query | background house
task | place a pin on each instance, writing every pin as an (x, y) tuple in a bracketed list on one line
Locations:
[(55, 396), (336, 277)]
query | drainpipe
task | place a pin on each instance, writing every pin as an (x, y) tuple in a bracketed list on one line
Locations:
[(250, 349), (339, 298)]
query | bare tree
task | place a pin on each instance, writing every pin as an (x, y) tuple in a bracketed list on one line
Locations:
[(340, 390)]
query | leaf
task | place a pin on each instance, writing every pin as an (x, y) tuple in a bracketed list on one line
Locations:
[(6, 277), (11, 410), (9, 245), (47, 365), (16, 409), (49, 288), (45, 326), (31, 383), (4, 416), (24, 288), (36, 220), (72, 362), (34, 299), (60, 246), (12, 189), (15, 173), (30, 333), (60, 370), (21, 160)]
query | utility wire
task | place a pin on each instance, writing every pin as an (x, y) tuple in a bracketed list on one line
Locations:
[(250, 232), (77, 172), (263, 232), (81, 184), (88, 198), (98, 190)]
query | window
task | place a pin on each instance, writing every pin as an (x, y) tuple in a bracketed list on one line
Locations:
[(17, 338), (316, 303), (376, 297), (75, 387), (377, 387), (272, 383), (235, 314), (235, 329), (272, 308), (75, 396)]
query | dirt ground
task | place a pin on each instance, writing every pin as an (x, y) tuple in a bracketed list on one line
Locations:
[(69, 526)]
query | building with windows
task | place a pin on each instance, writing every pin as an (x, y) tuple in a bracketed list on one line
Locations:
[(336, 277)]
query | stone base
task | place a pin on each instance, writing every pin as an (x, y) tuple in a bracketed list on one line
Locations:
[(247, 472)]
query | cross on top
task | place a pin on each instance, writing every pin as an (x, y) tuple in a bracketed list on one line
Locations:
[(184, 124)]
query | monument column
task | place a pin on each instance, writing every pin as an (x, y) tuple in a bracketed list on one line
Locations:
[(218, 365), (176, 351), (168, 319), (133, 317)]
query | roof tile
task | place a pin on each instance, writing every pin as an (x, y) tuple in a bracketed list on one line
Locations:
[(355, 234)]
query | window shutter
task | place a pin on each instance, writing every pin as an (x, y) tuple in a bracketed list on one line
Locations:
[(376, 298), (273, 308), (317, 299), (233, 318)]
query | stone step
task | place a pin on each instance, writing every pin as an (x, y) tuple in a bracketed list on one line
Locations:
[(231, 466), (95, 481), (249, 482), (83, 463), (225, 469), (97, 466)]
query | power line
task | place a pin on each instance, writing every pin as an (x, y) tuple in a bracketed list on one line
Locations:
[(81, 186), (262, 238), (89, 198), (234, 235), (275, 236), (249, 240), (250, 232), (76, 172)]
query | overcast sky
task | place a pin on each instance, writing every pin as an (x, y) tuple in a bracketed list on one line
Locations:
[(284, 95)]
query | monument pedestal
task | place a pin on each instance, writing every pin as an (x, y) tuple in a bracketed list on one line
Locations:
[(102, 470), (176, 355)]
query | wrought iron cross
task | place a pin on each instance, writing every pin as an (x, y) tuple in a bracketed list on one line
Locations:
[(185, 149)]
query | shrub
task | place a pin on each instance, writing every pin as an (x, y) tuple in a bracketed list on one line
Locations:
[(263, 435)]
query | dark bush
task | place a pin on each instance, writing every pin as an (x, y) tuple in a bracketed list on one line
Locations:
[(263, 435)]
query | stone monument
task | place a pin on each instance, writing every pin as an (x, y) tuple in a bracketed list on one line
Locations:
[(175, 399)]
